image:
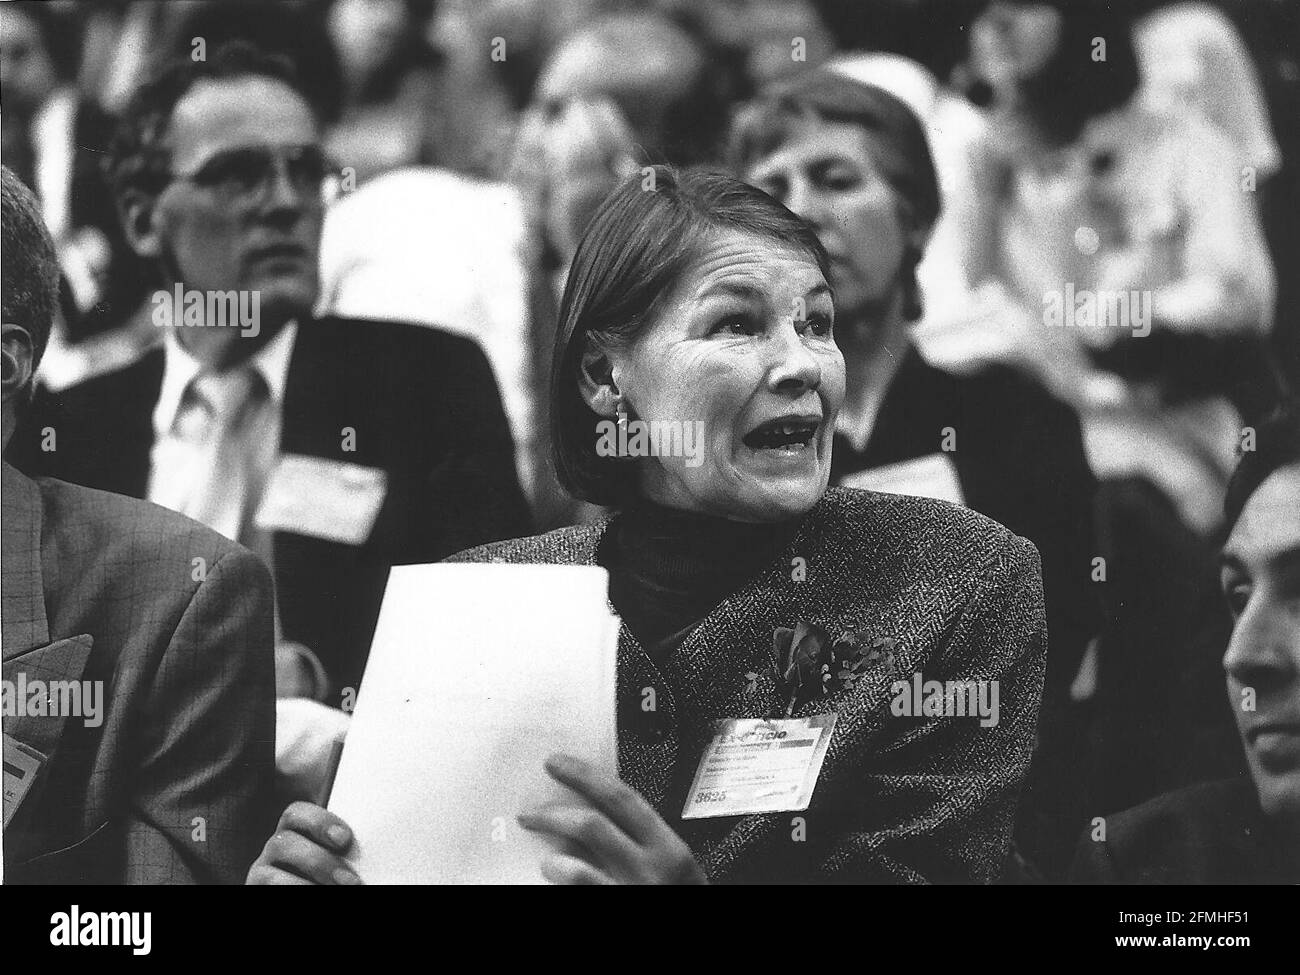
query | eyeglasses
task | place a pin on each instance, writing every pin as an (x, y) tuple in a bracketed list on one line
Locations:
[(245, 174)]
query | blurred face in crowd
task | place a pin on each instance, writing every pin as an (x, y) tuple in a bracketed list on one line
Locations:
[(366, 32), (1012, 42), (243, 210), (744, 344), (824, 173), (26, 71), (641, 62), (1261, 579)]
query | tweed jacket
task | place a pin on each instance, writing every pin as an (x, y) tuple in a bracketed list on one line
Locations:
[(172, 782), (899, 799)]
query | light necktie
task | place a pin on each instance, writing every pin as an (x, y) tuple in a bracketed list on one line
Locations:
[(222, 419)]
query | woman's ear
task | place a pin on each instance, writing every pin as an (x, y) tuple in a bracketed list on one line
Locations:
[(596, 382), (136, 210)]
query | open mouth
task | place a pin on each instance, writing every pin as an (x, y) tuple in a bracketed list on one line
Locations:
[(785, 434), (279, 251)]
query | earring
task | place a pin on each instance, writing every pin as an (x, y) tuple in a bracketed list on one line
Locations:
[(912, 306), (621, 410)]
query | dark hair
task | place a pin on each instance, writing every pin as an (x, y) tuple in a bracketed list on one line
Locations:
[(899, 149), (1277, 445), (640, 243), (137, 157), (29, 264), (295, 31), (1072, 88)]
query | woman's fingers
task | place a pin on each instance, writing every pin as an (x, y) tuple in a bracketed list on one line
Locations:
[(621, 803), (301, 855), (317, 823), (307, 847), (264, 876), (560, 868), (585, 829)]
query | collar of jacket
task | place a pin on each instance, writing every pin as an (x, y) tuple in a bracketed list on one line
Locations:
[(29, 656), (24, 625)]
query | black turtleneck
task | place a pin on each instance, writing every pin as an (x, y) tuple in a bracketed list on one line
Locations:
[(669, 568)]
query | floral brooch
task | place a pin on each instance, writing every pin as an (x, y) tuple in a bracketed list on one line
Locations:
[(809, 663)]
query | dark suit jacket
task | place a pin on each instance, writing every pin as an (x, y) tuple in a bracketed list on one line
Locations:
[(425, 409), (1211, 833), (899, 799), (175, 785)]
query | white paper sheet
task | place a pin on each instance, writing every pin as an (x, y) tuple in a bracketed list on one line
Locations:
[(476, 674)]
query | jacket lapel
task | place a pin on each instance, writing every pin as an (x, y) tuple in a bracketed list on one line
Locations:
[(22, 599), (28, 655)]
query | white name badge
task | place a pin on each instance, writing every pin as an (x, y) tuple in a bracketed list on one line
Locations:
[(932, 476), (21, 763), (323, 499), (757, 766)]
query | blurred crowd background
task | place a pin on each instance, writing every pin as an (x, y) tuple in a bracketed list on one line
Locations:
[(475, 138), (472, 139)]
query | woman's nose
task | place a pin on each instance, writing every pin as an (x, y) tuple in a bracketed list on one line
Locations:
[(795, 367), (802, 199)]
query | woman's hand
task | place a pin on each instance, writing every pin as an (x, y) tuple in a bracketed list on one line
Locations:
[(613, 837), (306, 849)]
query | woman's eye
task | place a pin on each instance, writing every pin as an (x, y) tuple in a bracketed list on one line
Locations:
[(840, 178), (734, 325), (820, 325)]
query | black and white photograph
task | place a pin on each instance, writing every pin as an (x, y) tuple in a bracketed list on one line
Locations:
[(599, 442)]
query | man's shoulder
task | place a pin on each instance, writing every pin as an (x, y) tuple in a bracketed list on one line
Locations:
[(129, 533), (330, 333), (1202, 833), (1186, 815)]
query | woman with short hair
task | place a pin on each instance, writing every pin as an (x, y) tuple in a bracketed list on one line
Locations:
[(749, 590)]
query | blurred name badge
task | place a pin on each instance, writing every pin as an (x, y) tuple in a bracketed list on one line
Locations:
[(931, 476), (323, 499), (757, 766)]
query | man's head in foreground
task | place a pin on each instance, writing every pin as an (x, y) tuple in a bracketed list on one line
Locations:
[(1260, 577), (30, 279)]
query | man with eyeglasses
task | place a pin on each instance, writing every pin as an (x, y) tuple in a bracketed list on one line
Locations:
[(334, 448)]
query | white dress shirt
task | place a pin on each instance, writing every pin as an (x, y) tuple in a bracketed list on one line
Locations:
[(214, 468)]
